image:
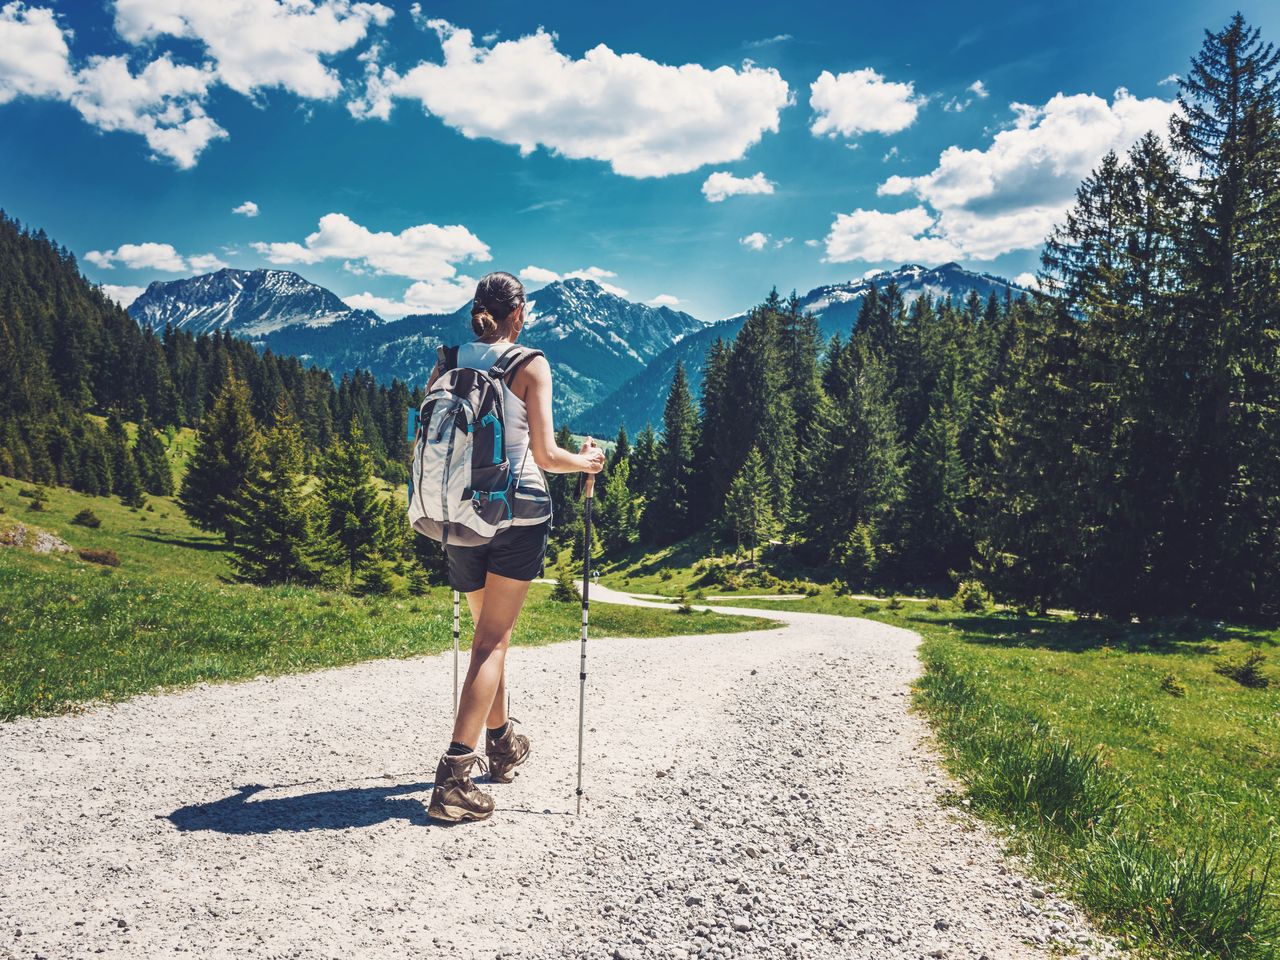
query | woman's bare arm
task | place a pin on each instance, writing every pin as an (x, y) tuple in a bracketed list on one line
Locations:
[(534, 388)]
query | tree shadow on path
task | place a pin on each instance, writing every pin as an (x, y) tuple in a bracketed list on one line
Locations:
[(339, 809)]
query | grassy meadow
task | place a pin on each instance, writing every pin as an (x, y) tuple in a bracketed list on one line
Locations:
[(73, 631)]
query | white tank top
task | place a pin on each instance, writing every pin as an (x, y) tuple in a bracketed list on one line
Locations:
[(482, 356)]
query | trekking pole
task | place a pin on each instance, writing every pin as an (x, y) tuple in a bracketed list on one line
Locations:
[(455, 656), (588, 492)]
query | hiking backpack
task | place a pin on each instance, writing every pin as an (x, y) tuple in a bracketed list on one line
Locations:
[(462, 488)]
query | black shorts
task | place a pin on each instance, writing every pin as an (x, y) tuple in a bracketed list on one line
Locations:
[(516, 552)]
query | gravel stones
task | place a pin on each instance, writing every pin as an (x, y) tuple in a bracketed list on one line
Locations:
[(285, 817)]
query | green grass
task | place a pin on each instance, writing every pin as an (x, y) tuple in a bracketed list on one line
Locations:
[(72, 632), (1136, 774), (159, 541)]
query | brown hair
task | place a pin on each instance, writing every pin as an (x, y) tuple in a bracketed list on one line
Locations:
[(498, 295)]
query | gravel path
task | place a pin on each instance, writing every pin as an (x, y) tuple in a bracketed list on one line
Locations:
[(752, 795)]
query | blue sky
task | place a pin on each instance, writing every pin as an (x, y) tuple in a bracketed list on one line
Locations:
[(693, 154)]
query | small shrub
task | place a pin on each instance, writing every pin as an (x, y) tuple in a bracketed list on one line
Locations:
[(666, 575), (1172, 684), (87, 518), (840, 588), (685, 607), (972, 597), (418, 582), (1246, 672), (150, 508), (564, 590), (374, 581), (895, 603), (34, 493), (36, 506), (934, 605), (106, 558)]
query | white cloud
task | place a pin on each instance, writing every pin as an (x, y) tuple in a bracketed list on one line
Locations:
[(664, 300), (861, 101), (163, 102), (439, 296), (259, 43), (601, 276), (34, 58), (1026, 280), (722, 184), (1169, 81), (152, 256), (754, 241), (645, 119), (121, 293), (205, 263), (1006, 196), (246, 209), (875, 236), (424, 252), (767, 41), (979, 90)]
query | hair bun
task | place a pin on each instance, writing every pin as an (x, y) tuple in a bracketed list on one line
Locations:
[(482, 321)]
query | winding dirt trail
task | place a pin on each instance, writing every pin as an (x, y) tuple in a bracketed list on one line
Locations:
[(757, 795)]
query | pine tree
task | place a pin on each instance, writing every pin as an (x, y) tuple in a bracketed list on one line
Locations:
[(153, 461), (668, 516), (621, 447), (1229, 128), (275, 522), (352, 510), (644, 463), (618, 516), (748, 508), (227, 453), (563, 490)]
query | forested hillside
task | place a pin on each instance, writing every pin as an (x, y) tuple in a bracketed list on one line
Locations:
[(67, 351), (1110, 445)]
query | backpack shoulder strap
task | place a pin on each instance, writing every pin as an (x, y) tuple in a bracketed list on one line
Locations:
[(512, 360), (447, 358)]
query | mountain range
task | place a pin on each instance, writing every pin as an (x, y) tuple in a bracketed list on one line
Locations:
[(612, 358)]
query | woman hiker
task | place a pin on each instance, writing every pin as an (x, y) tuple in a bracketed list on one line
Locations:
[(496, 576)]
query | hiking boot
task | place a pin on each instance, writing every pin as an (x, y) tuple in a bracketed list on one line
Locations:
[(455, 796), (505, 753)]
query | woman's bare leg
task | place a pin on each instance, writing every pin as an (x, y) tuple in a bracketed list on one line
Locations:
[(499, 609), (498, 712)]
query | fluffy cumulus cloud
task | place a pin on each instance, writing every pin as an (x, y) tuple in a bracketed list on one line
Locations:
[(162, 102), (248, 45), (152, 256), (542, 275), (754, 241), (721, 184), (439, 296), (664, 300), (425, 252), (643, 118), (872, 235), (256, 44), (862, 101), (122, 294), (246, 209), (981, 203), (34, 58)]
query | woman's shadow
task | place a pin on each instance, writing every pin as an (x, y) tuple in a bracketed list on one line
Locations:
[(323, 810)]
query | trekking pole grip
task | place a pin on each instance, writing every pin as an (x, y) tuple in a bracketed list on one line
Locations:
[(589, 483)]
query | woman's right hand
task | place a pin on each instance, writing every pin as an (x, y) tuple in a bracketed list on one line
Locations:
[(592, 456)]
